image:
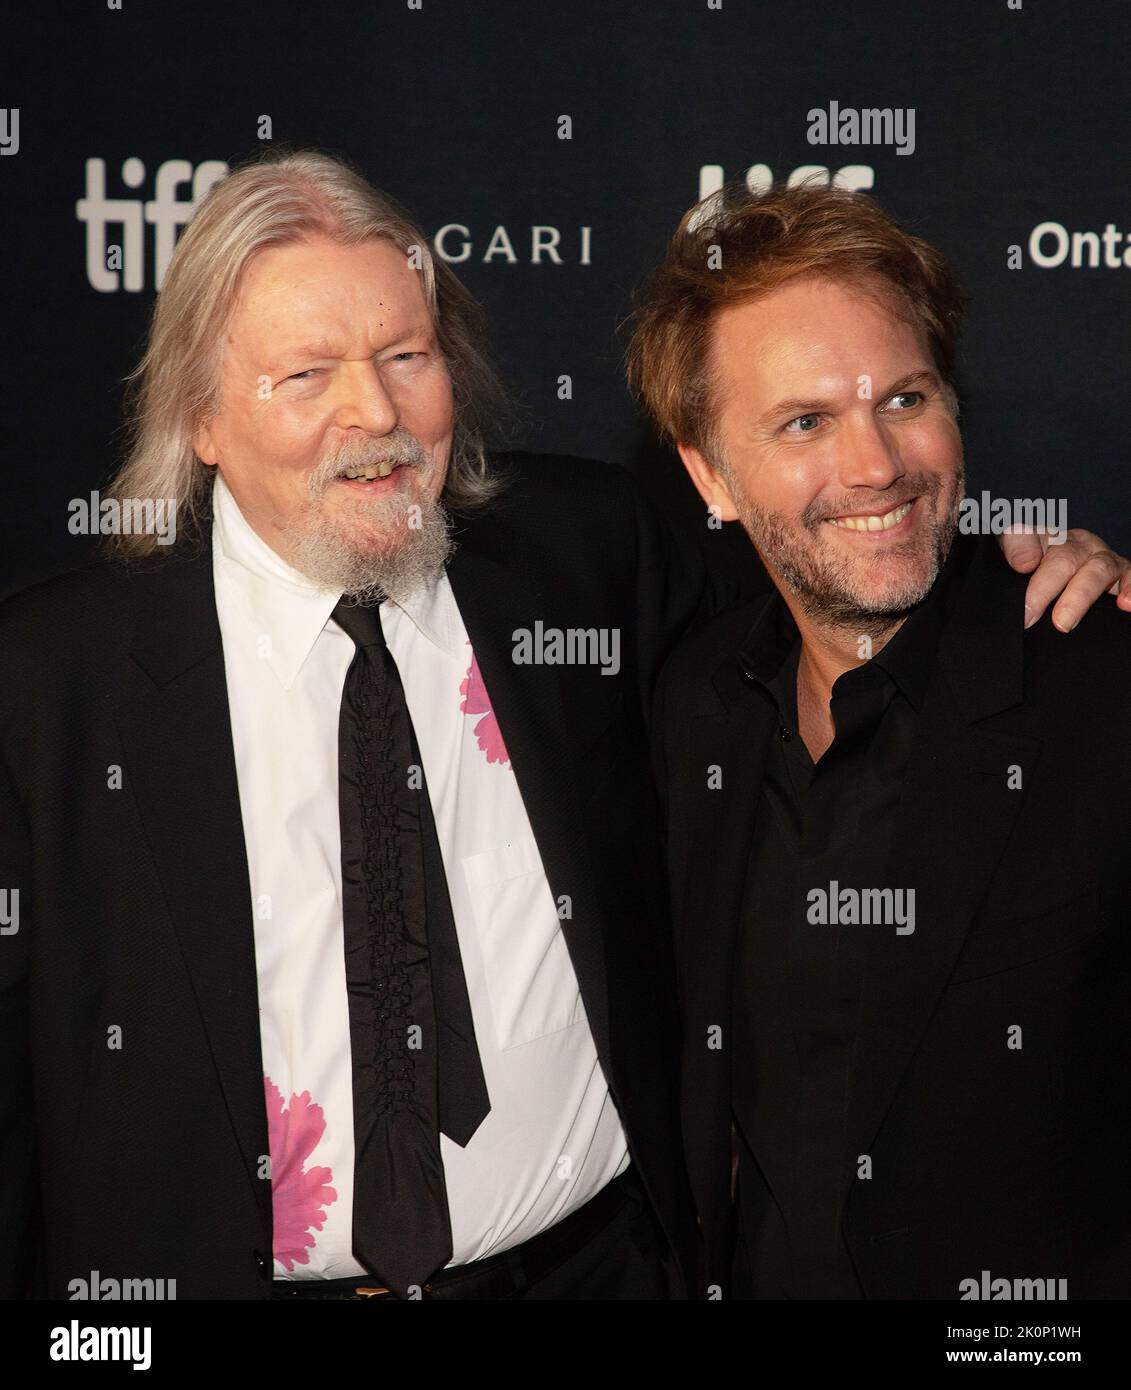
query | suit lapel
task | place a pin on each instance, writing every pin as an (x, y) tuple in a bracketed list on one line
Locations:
[(956, 814), (181, 765), (717, 825), (529, 704)]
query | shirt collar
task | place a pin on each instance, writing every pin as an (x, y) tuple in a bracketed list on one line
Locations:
[(770, 651), (908, 657), (292, 609)]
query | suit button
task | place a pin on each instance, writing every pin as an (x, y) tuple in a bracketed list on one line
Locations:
[(785, 734), (262, 1264)]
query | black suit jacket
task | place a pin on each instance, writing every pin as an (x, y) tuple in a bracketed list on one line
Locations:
[(984, 1156), (142, 1160)]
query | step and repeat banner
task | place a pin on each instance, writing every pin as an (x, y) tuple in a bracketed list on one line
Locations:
[(549, 151)]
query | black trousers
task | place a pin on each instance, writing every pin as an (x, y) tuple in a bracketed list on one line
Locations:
[(612, 1248), (629, 1259)]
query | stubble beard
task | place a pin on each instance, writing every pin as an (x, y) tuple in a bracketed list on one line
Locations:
[(830, 587)]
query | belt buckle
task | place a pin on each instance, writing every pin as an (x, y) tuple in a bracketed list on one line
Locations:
[(374, 1293)]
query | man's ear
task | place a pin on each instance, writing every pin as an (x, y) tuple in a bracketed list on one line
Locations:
[(709, 483), (204, 445)]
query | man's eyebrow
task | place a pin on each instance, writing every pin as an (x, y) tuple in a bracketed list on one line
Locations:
[(321, 349), (326, 349), (809, 405), (921, 378)]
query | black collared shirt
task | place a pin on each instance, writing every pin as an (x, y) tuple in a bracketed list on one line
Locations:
[(798, 984)]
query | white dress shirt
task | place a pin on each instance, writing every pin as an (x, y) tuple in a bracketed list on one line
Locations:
[(553, 1138)]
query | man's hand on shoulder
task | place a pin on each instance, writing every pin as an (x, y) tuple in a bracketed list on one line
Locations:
[(1079, 570)]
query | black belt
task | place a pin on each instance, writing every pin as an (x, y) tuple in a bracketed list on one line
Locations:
[(498, 1276)]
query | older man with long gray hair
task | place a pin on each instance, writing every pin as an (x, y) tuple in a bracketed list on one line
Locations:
[(336, 961)]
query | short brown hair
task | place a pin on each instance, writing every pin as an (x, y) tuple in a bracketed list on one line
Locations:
[(757, 242)]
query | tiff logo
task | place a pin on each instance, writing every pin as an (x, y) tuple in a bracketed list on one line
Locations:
[(112, 264), (759, 178)]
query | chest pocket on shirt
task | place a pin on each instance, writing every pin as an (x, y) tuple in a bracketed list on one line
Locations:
[(529, 974)]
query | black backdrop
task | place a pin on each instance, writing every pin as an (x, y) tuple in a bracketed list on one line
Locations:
[(455, 106)]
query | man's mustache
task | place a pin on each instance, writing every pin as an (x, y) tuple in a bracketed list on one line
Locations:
[(400, 448), (925, 485)]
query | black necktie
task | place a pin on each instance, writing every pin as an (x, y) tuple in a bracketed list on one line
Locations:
[(402, 962)]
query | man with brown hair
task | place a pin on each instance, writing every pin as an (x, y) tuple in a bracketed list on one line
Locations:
[(903, 959), (336, 934)]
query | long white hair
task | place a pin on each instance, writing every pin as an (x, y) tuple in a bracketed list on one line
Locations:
[(278, 199)]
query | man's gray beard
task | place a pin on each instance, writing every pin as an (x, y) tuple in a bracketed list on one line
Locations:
[(822, 584), (368, 570), (366, 575)]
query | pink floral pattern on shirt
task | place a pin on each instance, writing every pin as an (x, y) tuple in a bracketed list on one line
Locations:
[(476, 701), (299, 1196)]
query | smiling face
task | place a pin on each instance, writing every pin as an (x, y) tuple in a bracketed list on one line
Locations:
[(840, 451), (335, 423)]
